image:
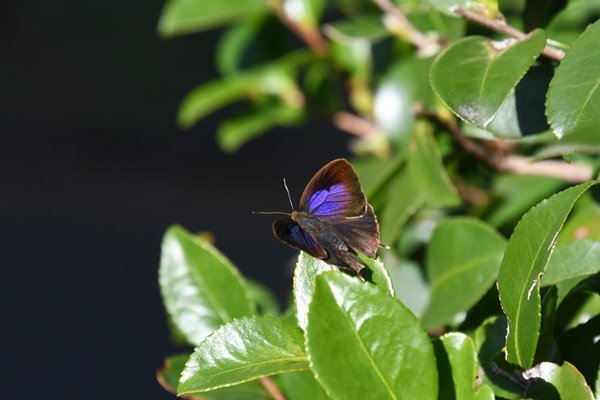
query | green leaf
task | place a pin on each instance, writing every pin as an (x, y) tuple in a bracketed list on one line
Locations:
[(484, 73), (377, 274), (307, 269), (411, 288), (573, 98), (446, 5), (364, 344), (549, 381), (570, 264), (459, 272), (241, 351), (374, 173), (490, 338), (584, 222), (201, 289), (266, 303), (546, 343), (236, 132), (186, 16), (457, 364), (300, 386), (526, 256), (365, 26), (168, 377), (274, 79), (212, 96), (403, 200), (404, 84), (427, 171)]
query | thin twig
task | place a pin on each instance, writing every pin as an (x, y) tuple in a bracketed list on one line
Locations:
[(312, 37), (569, 172), (354, 124), (415, 36), (500, 25), (272, 388)]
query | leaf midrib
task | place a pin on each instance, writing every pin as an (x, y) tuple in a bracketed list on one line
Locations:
[(465, 267), (364, 348)]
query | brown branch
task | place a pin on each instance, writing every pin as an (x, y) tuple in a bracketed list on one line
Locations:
[(272, 388), (354, 124), (160, 377), (415, 36), (500, 25), (312, 37), (569, 172)]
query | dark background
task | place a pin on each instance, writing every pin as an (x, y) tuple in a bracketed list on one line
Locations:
[(93, 170)]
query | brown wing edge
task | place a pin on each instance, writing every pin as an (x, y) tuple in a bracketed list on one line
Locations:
[(361, 233)]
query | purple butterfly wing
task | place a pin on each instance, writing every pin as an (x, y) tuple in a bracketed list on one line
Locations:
[(290, 233), (334, 195)]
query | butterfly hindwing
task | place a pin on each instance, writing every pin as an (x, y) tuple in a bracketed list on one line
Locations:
[(290, 232)]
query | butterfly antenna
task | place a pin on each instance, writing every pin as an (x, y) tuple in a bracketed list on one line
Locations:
[(270, 213), (288, 193)]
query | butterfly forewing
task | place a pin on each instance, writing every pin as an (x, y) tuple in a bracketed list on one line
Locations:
[(334, 195), (334, 192), (290, 232)]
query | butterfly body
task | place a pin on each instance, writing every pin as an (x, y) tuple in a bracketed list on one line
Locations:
[(334, 220)]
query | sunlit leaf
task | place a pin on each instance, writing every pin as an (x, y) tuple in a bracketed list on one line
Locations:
[(525, 259), (459, 272), (365, 344), (483, 74), (551, 381), (242, 351), (574, 96), (201, 289)]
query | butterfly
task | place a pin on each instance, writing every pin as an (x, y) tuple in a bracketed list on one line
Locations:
[(334, 220)]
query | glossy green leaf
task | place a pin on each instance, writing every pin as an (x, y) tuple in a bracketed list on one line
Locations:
[(459, 272), (241, 351), (364, 344), (236, 132), (458, 368), (517, 194), (567, 26), (553, 382), (427, 170), (377, 274), (490, 338), (266, 303), (186, 16), (307, 269), (574, 96), (201, 289), (475, 76), (168, 377), (403, 199), (300, 386), (526, 256), (571, 263), (374, 173)]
